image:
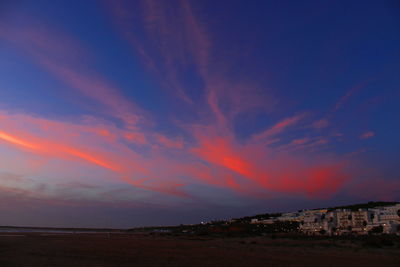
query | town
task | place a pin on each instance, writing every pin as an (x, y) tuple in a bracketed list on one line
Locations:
[(343, 221), (372, 218)]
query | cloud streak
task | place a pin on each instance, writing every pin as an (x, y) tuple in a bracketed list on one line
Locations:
[(63, 56), (367, 135), (123, 140), (278, 127)]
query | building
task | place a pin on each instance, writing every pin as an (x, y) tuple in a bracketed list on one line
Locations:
[(314, 222), (388, 217), (264, 221), (343, 221)]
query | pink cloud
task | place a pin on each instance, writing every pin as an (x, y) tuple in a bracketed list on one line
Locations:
[(350, 93), (279, 127), (367, 135), (135, 137), (273, 170), (169, 38), (55, 149), (176, 39), (219, 151), (214, 157), (62, 56), (300, 141), (243, 168), (95, 144), (323, 123), (169, 143)]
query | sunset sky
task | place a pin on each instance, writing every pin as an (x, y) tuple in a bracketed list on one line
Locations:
[(131, 113)]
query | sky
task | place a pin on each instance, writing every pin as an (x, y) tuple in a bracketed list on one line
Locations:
[(149, 112)]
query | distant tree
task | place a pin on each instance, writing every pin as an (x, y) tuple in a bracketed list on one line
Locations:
[(372, 216), (349, 217), (364, 223)]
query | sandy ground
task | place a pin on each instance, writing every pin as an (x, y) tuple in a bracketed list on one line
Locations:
[(147, 250)]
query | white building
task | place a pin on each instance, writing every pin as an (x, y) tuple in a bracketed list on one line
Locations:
[(342, 221), (313, 222), (265, 221), (388, 217), (289, 216)]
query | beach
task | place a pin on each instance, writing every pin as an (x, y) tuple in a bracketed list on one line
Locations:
[(144, 249)]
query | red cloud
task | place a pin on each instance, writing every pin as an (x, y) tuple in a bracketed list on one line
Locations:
[(280, 173), (219, 151)]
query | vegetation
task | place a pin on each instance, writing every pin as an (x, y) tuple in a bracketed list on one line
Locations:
[(368, 205)]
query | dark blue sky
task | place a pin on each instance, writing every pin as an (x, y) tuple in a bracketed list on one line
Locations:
[(154, 112)]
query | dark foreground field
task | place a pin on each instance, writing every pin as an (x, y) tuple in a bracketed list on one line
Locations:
[(154, 250)]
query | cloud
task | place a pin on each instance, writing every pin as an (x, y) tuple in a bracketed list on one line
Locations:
[(169, 143), (244, 168), (174, 40), (274, 170), (61, 55), (367, 135), (279, 127), (219, 151), (323, 123), (85, 142), (129, 150), (350, 93)]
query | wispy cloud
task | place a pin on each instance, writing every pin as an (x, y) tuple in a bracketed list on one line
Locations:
[(182, 42), (278, 127), (127, 147), (319, 124), (367, 135), (350, 93), (63, 56)]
